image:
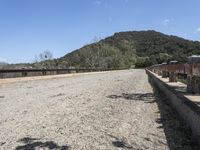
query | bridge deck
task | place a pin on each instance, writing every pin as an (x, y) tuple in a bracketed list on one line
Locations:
[(89, 111)]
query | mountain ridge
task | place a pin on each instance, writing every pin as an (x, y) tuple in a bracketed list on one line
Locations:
[(127, 49), (140, 48)]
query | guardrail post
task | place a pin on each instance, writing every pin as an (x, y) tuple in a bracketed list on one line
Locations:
[(44, 72), (164, 70), (159, 72), (173, 77), (189, 84), (1, 75), (164, 74), (189, 78), (193, 74), (193, 79), (24, 74), (193, 84)]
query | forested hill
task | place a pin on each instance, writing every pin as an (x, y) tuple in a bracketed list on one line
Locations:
[(129, 49), (126, 49)]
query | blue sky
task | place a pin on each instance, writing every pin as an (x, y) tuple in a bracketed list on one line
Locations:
[(28, 27)]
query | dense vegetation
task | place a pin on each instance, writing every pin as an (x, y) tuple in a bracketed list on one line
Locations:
[(127, 49)]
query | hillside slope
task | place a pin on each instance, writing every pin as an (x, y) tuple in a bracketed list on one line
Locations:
[(126, 49)]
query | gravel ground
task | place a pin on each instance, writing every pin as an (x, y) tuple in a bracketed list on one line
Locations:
[(109, 110)]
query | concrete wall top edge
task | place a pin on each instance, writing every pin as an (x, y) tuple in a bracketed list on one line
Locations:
[(194, 106)]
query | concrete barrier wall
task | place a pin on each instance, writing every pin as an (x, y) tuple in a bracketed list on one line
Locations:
[(40, 72), (188, 110), (20, 74)]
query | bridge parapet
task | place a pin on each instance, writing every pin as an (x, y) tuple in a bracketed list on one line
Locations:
[(174, 71), (186, 105), (13, 73)]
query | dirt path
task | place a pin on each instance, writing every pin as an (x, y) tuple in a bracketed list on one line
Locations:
[(111, 110)]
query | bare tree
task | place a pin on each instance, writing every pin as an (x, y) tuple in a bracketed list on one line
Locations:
[(36, 59), (95, 39), (46, 55)]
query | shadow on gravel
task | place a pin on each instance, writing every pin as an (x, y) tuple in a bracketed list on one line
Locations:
[(178, 134), (134, 96), (120, 143), (35, 144)]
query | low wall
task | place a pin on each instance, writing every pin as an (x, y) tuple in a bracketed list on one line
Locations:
[(14, 73), (39, 72), (187, 109)]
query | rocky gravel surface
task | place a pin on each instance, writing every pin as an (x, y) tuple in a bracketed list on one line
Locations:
[(98, 111)]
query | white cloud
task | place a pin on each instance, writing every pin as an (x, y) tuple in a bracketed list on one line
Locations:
[(3, 59), (185, 34), (166, 22), (97, 2), (198, 29)]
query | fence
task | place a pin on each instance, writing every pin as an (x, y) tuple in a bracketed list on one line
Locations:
[(13, 73), (175, 71)]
